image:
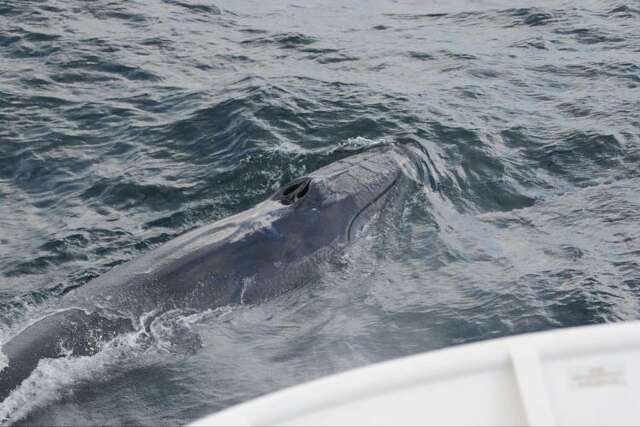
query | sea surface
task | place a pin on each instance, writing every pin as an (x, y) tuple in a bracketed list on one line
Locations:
[(125, 124)]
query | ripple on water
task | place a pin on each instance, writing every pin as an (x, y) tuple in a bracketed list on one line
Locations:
[(127, 124)]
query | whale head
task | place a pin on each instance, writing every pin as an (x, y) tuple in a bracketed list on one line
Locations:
[(337, 201)]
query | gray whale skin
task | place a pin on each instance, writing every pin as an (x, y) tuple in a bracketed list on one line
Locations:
[(254, 255)]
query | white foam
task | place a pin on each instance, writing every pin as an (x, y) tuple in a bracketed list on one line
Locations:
[(168, 334), (358, 142)]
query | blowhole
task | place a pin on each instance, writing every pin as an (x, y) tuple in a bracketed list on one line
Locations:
[(295, 191)]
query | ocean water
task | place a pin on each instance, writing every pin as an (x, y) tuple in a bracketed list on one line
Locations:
[(125, 124)]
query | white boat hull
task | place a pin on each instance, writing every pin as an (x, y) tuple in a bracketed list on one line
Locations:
[(577, 376)]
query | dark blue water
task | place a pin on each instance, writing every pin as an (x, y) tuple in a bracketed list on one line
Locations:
[(124, 124)]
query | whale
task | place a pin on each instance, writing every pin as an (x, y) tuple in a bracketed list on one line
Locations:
[(274, 247)]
